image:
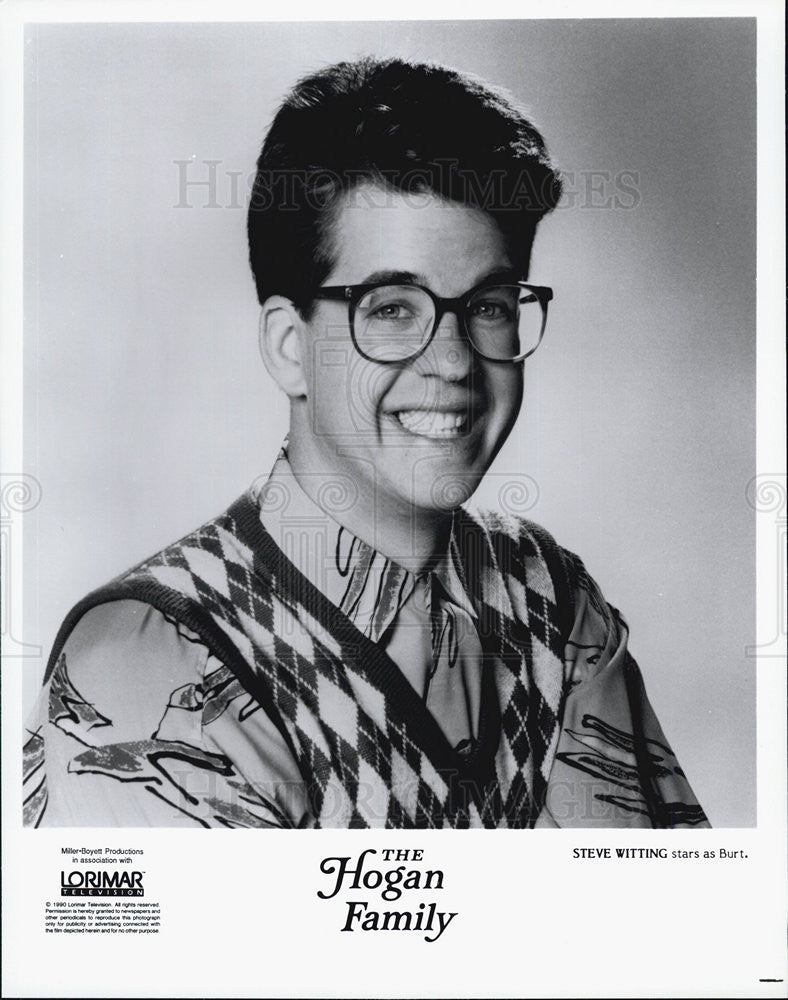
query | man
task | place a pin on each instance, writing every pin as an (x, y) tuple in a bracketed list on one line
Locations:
[(346, 645)]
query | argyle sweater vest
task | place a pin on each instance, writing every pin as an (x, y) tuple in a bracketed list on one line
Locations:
[(369, 752)]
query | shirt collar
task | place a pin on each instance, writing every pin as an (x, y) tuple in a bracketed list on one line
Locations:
[(368, 586)]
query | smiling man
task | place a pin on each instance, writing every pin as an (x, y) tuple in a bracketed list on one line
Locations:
[(347, 645), (422, 406)]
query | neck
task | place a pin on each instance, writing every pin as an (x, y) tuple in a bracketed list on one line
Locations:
[(412, 536)]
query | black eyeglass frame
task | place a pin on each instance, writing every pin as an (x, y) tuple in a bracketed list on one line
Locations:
[(352, 294)]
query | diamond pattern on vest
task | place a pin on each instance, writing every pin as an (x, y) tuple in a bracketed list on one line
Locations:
[(357, 751)]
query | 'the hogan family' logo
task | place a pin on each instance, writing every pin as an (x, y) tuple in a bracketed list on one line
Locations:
[(101, 883)]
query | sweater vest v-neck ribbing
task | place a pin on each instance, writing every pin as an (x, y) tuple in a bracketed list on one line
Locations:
[(368, 750)]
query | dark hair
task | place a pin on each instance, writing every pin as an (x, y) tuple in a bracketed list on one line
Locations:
[(403, 125)]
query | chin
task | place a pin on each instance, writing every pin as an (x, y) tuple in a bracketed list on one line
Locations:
[(447, 490)]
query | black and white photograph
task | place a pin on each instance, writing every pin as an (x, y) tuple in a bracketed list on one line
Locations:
[(391, 396)]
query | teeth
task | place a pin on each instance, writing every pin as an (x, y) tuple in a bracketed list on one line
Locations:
[(430, 423)]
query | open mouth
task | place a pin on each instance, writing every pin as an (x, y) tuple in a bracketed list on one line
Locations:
[(433, 423)]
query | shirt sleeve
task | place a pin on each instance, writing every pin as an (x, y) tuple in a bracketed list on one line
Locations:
[(140, 725), (613, 765)]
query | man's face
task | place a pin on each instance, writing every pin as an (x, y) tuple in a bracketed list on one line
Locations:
[(418, 434)]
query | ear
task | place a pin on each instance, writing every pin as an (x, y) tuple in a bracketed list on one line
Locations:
[(281, 333)]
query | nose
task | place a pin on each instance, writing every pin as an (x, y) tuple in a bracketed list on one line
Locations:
[(449, 354)]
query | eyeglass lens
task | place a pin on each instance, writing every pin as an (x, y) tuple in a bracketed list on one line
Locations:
[(394, 322)]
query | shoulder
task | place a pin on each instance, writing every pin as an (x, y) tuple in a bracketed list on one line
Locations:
[(115, 624), (523, 547), (505, 528), (128, 658), (184, 584), (529, 556)]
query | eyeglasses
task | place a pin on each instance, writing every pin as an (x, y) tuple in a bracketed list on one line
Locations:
[(395, 323)]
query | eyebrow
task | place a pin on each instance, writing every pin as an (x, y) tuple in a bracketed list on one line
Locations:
[(410, 278), (393, 277)]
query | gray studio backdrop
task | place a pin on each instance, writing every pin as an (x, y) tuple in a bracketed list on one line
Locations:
[(148, 409)]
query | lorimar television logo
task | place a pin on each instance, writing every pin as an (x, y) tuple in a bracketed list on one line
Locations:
[(101, 883)]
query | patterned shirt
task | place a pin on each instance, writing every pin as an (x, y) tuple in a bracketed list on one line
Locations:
[(141, 725)]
